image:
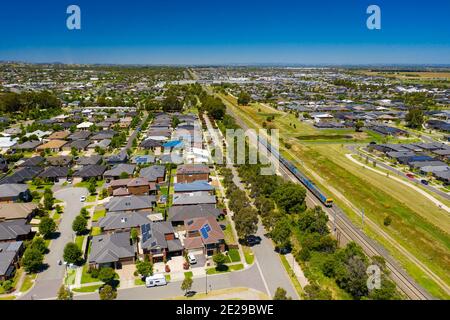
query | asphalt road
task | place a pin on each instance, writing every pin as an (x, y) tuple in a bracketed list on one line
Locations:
[(249, 278), (48, 282)]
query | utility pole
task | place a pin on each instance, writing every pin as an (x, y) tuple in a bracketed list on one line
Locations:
[(206, 284)]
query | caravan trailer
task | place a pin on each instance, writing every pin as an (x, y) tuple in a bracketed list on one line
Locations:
[(155, 280)]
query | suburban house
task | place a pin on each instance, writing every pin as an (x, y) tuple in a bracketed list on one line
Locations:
[(195, 186), (59, 135), (131, 203), (15, 192), (177, 215), (150, 144), (28, 145), (154, 173), (13, 211), (205, 235), (91, 160), (9, 258), (31, 162), (193, 198), (111, 250), (52, 145), (159, 242), (119, 170), (192, 172), (54, 174), (122, 221), (134, 186), (21, 175), (63, 161), (14, 230), (91, 171)]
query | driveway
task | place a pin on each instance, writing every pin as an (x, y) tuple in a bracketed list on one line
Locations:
[(48, 282)]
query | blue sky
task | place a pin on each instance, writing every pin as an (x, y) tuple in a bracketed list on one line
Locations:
[(231, 31)]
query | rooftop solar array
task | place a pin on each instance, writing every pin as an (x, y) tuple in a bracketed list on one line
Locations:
[(205, 230)]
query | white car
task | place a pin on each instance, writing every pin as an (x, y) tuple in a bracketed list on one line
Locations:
[(82, 199), (192, 259)]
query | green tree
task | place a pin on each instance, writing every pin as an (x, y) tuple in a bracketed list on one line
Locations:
[(144, 268), (281, 233), (243, 98), (186, 285), (281, 294), (64, 293), (314, 292), (290, 197), (219, 259), (38, 243), (79, 224), (246, 222), (72, 254), (92, 187), (32, 260), (414, 118), (107, 292), (359, 125), (106, 275), (47, 226)]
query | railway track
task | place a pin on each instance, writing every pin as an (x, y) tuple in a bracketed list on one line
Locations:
[(342, 226)]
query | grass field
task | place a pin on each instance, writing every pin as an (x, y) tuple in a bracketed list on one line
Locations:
[(417, 224)]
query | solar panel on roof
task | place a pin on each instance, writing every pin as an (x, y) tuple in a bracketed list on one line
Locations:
[(204, 233), (145, 237), (207, 228)]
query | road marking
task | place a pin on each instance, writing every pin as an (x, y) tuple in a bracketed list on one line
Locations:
[(262, 277)]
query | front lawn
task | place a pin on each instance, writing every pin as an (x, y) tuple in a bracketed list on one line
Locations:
[(231, 268), (88, 288), (234, 256), (98, 215)]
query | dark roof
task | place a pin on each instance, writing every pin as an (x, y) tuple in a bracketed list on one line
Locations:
[(54, 172), (109, 248), (80, 135), (11, 229), (79, 144), (153, 236), (199, 185), (150, 143), (181, 213), (89, 171), (28, 145), (153, 173), (122, 220), (22, 174), (118, 169), (12, 190), (8, 251), (130, 203), (31, 162), (94, 159)]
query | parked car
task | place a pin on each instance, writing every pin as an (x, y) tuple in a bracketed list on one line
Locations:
[(192, 259), (82, 199), (423, 181), (410, 175), (252, 240)]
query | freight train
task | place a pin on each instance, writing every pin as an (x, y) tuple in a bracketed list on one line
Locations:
[(328, 202)]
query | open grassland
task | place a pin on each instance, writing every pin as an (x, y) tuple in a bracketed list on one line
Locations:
[(417, 224), (410, 74)]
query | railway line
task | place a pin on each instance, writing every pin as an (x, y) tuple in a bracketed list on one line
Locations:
[(343, 227)]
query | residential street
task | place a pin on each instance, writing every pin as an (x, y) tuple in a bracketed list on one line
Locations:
[(249, 278), (48, 282)]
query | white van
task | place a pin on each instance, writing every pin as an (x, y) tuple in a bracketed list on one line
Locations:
[(192, 259), (155, 280)]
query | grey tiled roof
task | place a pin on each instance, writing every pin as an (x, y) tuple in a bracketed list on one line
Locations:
[(111, 247)]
